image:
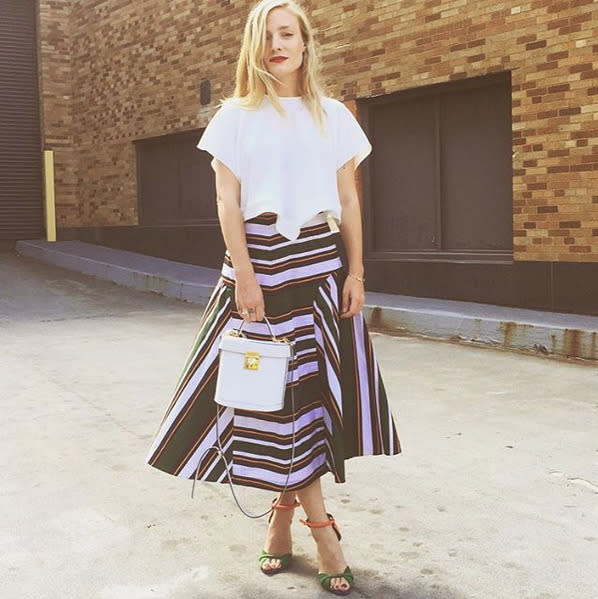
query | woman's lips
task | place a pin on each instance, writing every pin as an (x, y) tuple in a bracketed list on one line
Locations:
[(278, 59)]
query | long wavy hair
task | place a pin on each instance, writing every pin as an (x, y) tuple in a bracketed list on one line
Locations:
[(253, 80)]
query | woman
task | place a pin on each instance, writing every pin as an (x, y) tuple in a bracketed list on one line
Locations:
[(284, 158)]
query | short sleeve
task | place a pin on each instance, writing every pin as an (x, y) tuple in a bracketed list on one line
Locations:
[(220, 137), (351, 141)]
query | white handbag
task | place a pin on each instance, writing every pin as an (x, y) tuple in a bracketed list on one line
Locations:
[(252, 374)]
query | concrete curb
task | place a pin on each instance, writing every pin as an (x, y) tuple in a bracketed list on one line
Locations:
[(545, 333), (517, 331), (145, 273)]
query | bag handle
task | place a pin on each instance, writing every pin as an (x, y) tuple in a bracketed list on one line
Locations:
[(274, 337)]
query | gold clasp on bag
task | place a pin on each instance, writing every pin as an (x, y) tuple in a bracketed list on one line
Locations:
[(252, 360)]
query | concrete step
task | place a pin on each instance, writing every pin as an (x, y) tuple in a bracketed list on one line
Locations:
[(543, 333)]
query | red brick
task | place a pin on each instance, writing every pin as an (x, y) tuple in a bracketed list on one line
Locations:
[(557, 153), (476, 43), (547, 114), (569, 111), (476, 58), (524, 39), (557, 55), (536, 45), (569, 29), (558, 23), (587, 132), (547, 66), (536, 91), (561, 87), (581, 18), (578, 68)]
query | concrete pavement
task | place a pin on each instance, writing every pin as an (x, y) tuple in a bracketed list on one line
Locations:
[(534, 331), (494, 497)]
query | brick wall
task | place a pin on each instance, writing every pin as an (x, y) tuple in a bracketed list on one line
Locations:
[(136, 68), (56, 103)]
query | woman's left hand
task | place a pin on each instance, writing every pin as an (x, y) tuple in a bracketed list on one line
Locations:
[(353, 297)]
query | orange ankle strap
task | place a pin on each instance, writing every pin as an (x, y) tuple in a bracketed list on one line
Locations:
[(330, 522), (281, 506)]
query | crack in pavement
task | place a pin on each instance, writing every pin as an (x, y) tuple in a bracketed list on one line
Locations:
[(576, 480)]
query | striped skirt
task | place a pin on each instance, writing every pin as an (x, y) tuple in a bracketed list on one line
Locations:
[(341, 409)]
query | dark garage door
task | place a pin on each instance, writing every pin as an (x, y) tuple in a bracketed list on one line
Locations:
[(441, 177), (21, 211), (175, 181)]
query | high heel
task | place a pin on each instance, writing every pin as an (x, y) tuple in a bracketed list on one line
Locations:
[(324, 577), (285, 559)]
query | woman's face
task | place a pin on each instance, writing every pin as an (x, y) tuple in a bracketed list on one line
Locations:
[(283, 39)]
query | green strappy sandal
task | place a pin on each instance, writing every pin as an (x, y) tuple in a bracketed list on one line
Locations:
[(325, 578), (285, 559)]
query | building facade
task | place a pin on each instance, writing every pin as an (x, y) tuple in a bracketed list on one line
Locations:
[(483, 181)]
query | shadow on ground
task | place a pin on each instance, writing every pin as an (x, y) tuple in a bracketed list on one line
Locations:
[(301, 583)]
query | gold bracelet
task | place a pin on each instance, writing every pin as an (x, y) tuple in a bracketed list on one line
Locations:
[(360, 279)]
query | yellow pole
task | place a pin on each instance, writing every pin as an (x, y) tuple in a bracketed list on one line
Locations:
[(50, 201)]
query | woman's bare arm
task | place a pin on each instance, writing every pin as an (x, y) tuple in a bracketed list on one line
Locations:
[(248, 293), (351, 232)]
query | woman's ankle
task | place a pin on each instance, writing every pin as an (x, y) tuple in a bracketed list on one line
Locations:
[(325, 535), (281, 521), (287, 500)]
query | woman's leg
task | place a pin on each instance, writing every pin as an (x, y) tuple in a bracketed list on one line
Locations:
[(330, 554), (278, 538)]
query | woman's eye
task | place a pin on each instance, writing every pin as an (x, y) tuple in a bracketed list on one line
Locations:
[(269, 37)]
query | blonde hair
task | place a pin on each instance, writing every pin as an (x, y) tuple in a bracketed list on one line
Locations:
[(253, 80)]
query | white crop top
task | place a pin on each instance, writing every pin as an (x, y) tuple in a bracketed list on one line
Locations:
[(284, 165)]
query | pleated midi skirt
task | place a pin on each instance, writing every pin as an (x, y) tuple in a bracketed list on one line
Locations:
[(341, 408)]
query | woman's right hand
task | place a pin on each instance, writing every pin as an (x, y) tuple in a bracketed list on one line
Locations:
[(249, 298)]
